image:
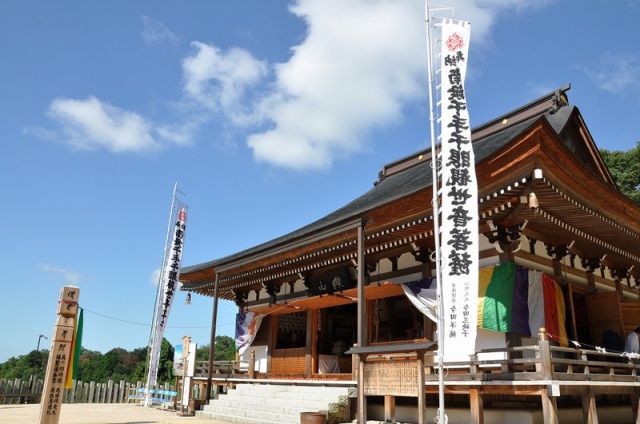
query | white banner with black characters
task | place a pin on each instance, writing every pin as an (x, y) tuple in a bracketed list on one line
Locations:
[(459, 200), (164, 301)]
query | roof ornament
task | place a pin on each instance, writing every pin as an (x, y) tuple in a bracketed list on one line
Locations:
[(558, 252), (590, 264), (560, 99)]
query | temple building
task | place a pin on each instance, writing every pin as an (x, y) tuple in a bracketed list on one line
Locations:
[(349, 300)]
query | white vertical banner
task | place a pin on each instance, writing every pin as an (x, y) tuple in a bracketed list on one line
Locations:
[(169, 283), (459, 209)]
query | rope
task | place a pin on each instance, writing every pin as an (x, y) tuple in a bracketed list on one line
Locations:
[(149, 325), (599, 349)]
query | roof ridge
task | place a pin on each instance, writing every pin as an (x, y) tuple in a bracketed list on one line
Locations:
[(549, 103)]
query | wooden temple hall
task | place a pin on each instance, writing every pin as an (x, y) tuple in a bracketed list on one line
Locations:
[(559, 253)]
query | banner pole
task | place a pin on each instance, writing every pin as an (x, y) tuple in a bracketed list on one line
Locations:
[(157, 307), (441, 418)]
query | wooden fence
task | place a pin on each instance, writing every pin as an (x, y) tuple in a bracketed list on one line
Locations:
[(26, 391)]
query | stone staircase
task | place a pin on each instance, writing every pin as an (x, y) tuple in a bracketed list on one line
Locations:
[(279, 403)]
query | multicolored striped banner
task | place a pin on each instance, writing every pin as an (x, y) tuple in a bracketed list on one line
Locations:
[(518, 300)]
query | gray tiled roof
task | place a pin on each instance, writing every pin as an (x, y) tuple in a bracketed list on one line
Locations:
[(398, 185)]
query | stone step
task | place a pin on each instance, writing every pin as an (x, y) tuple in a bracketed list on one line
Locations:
[(287, 396), (290, 388), (250, 417), (272, 403)]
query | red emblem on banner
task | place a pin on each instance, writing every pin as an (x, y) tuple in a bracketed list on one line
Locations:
[(455, 42)]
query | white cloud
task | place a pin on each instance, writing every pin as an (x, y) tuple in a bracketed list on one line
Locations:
[(90, 124), (69, 276), (360, 64), (154, 31), (218, 80), (483, 14), (615, 72)]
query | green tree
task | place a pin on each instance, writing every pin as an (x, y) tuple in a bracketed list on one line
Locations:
[(141, 359), (23, 366), (625, 169), (165, 365), (117, 364), (90, 366), (225, 350)]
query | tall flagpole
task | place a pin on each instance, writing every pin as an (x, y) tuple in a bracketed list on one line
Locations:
[(435, 202), (454, 191), (154, 344)]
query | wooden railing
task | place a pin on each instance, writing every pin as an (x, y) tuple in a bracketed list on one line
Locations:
[(221, 367), (24, 391), (537, 363), (19, 391), (541, 370)]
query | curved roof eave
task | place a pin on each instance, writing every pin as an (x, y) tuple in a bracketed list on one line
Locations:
[(393, 187)]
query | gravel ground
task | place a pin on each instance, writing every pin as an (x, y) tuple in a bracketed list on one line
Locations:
[(84, 413)]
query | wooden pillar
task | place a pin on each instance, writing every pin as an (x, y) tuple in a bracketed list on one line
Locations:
[(272, 338), (389, 409), (506, 255), (362, 301), (545, 354), (635, 403), (477, 409), (212, 340), (591, 280), (619, 289), (362, 326), (557, 269), (589, 412), (572, 310), (422, 396), (252, 365), (312, 329), (549, 408), (362, 400), (475, 398)]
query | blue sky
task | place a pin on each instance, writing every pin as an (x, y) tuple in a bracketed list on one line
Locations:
[(269, 114)]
